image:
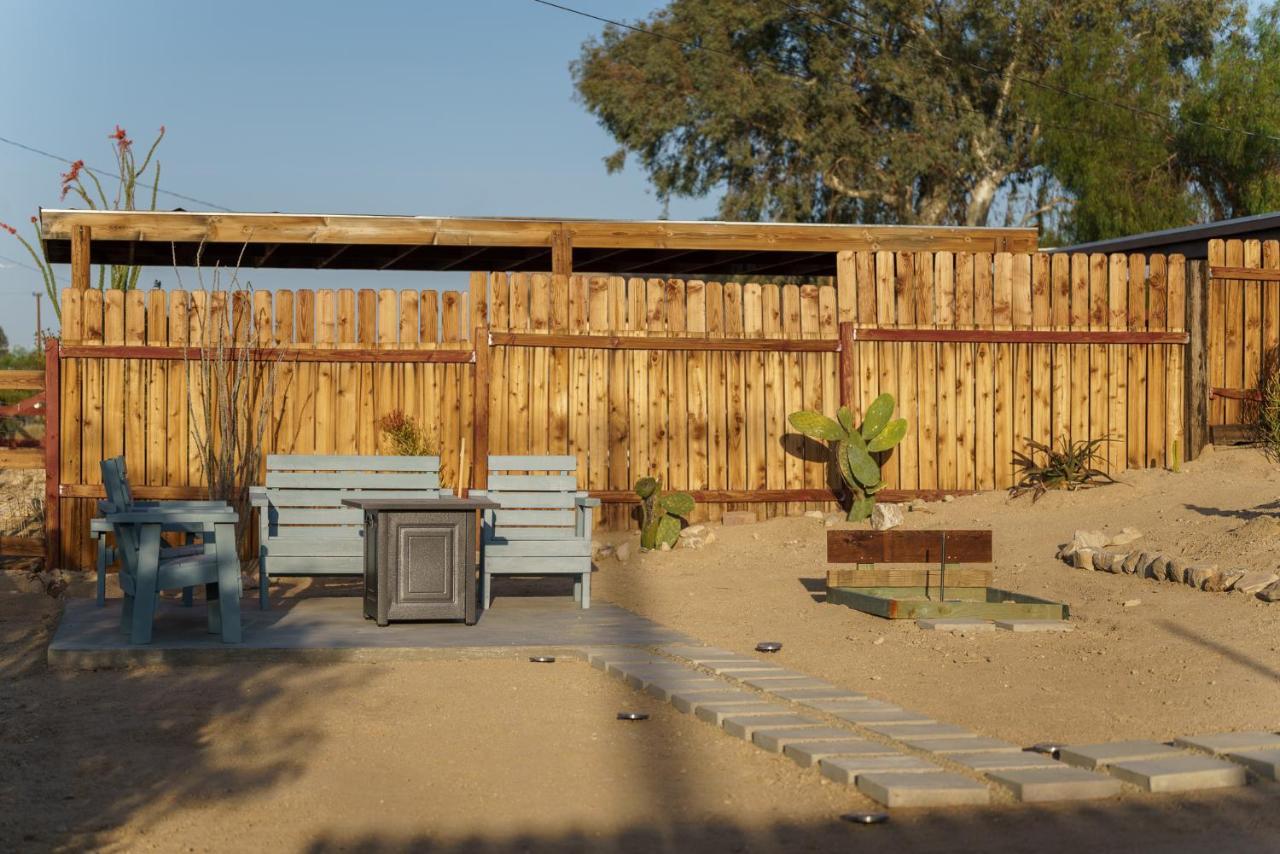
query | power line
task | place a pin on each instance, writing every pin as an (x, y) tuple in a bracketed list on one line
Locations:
[(43, 153), (1060, 90), (23, 264)]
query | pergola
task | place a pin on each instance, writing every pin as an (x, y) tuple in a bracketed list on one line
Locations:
[(558, 246)]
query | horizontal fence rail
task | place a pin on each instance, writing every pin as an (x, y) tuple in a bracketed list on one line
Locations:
[(1243, 319)]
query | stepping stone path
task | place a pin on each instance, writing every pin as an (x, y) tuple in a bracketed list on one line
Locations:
[(958, 624), (884, 750), (1035, 626)]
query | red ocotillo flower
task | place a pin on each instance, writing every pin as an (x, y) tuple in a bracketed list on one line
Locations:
[(121, 138), (8, 228), (69, 178)]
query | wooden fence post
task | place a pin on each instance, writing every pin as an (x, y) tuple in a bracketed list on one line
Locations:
[(846, 364), (1196, 363), (52, 454), (80, 241), (480, 414)]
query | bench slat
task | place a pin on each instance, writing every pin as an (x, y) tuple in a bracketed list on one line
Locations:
[(537, 548), (511, 462), (282, 516), (313, 546), (498, 565), (963, 546), (317, 565), (515, 532), (531, 483), (352, 480), (540, 500), (335, 497), (539, 518), (356, 463)]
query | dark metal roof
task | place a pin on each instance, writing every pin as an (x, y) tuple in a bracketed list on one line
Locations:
[(1191, 240)]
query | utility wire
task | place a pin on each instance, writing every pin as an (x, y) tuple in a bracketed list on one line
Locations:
[(22, 264), (43, 153)]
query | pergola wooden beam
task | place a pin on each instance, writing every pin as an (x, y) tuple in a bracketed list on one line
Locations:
[(121, 229)]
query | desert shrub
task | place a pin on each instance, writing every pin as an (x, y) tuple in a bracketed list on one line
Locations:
[(404, 436), (1264, 412), (660, 515), (1071, 465)]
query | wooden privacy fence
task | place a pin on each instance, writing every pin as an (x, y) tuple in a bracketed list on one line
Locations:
[(1243, 324), (23, 452), (690, 381)]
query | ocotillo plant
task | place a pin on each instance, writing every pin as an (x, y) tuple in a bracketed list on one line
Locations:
[(660, 515), (852, 448)]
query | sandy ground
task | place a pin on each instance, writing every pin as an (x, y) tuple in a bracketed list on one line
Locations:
[(465, 756), (1182, 662)]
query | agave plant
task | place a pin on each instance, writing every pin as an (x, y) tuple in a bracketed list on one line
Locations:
[(660, 515), (1072, 465), (852, 447)]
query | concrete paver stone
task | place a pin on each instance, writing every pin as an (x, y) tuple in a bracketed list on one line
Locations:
[(845, 769), (1094, 756), (808, 753), (1264, 763), (1004, 761), (666, 690), (857, 701), (881, 717), (923, 790), (829, 692), (1035, 626), (744, 726), (956, 624), (769, 681), (902, 730), (1228, 742), (1184, 773), (1063, 783), (715, 713), (690, 702), (949, 746), (776, 740)]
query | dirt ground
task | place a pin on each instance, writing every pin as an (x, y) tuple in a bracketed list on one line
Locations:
[(464, 756), (503, 755), (1182, 662)]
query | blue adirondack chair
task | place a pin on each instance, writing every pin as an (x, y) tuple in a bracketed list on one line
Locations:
[(115, 482), (144, 572), (543, 526), (304, 529)]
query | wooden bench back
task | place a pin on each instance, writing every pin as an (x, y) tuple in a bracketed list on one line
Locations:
[(539, 506), (306, 491)]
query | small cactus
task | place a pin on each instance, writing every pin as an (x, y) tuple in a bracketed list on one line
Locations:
[(660, 515), (852, 448)]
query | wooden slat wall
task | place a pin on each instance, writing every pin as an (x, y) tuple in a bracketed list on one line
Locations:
[(1244, 324), (702, 420), (139, 406)]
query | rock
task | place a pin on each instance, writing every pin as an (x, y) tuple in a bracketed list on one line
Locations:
[(1082, 559), (1144, 563), (622, 552), (1270, 593), (1256, 581), (691, 542), (738, 517), (664, 547), (815, 514), (1102, 561), (710, 537), (948, 498), (1226, 579), (1198, 576), (917, 504), (1130, 603), (1175, 570), (693, 531), (1116, 566), (1130, 565), (1126, 536), (599, 549), (1156, 568), (1217, 582), (1095, 540), (886, 516), (833, 519)]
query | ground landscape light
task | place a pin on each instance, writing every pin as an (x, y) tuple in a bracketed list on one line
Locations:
[(865, 817), (543, 659), (633, 716), (768, 646)]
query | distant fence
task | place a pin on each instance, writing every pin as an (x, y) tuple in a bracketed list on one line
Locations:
[(689, 381), (1243, 323)]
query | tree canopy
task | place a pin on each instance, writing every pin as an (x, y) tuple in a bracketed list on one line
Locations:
[(1090, 118)]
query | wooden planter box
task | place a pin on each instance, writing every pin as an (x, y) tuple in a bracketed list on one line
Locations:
[(914, 603)]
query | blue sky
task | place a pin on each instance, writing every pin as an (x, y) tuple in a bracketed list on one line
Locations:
[(438, 107)]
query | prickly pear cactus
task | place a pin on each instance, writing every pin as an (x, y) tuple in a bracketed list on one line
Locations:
[(661, 515), (852, 448)]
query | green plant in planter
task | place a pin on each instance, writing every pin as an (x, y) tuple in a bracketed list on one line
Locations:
[(853, 447), (660, 515)]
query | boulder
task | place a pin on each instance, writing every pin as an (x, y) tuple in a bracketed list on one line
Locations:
[(886, 516), (1175, 570), (1102, 561), (1156, 568), (1256, 581), (693, 531), (1096, 540), (622, 552), (1225, 580), (1270, 593), (1144, 564), (1116, 566), (1130, 565), (1082, 559)]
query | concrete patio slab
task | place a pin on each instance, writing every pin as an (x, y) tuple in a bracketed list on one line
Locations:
[(665, 691), (1035, 626), (1264, 763), (1183, 773), (1037, 785), (1228, 742), (956, 624), (1094, 756), (332, 628), (923, 790), (745, 726), (690, 701), (715, 713), (809, 753)]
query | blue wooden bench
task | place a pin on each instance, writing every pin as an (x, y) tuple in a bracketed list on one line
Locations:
[(303, 527), (543, 526)]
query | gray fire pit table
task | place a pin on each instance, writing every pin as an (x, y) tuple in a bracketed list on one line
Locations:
[(419, 558)]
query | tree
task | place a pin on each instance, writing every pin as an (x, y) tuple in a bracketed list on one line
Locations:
[(910, 112), (130, 176), (4, 342)]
